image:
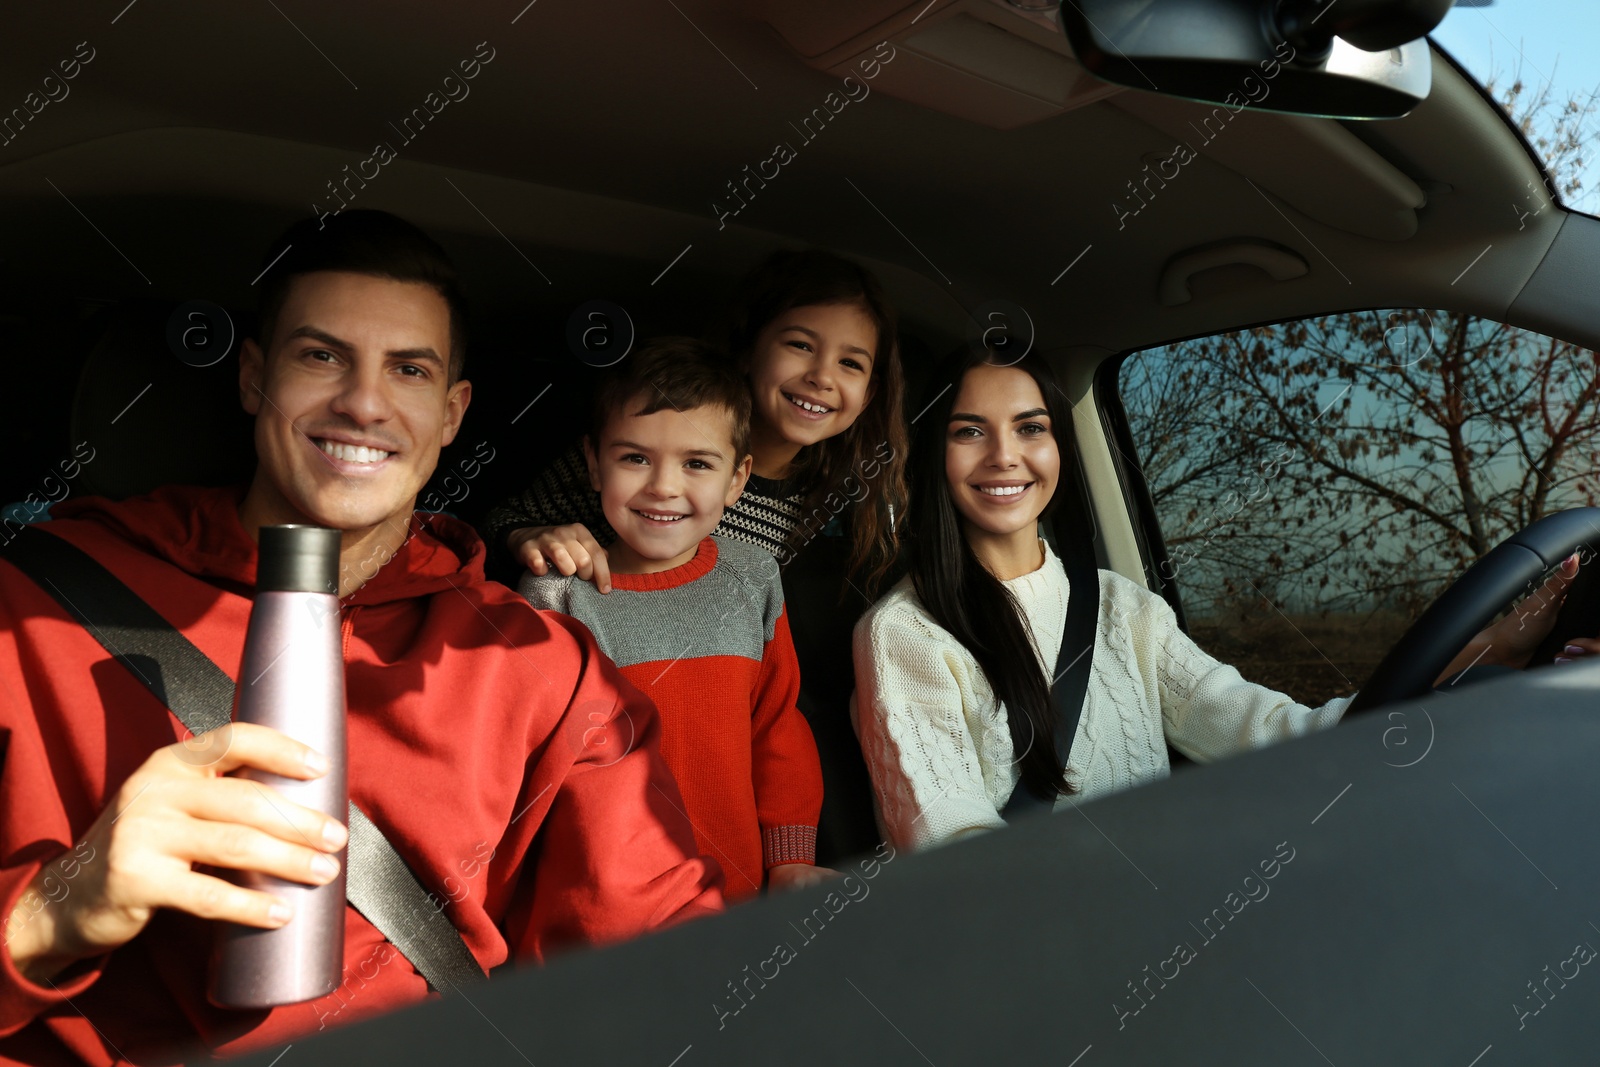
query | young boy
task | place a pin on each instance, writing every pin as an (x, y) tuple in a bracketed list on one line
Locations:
[(697, 621)]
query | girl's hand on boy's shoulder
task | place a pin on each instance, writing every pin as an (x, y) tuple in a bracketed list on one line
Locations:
[(568, 550), (787, 876)]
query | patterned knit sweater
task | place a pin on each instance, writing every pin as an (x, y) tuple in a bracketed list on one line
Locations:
[(937, 742), (709, 642), (764, 514)]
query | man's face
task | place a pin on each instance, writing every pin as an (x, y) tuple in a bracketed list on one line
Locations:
[(352, 402), (664, 480)]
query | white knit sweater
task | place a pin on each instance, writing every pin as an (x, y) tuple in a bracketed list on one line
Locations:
[(936, 739)]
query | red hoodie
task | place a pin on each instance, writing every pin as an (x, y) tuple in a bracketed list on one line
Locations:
[(484, 740)]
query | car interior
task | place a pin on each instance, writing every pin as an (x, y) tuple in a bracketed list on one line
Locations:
[(600, 153)]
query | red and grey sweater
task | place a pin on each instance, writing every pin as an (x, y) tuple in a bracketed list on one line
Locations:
[(476, 743), (709, 642)]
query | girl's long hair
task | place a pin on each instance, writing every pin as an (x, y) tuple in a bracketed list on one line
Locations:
[(861, 470), (960, 592)]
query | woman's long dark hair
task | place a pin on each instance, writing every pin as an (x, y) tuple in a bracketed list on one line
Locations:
[(960, 592), (871, 454)]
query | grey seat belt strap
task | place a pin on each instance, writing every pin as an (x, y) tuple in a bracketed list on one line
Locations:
[(378, 882)]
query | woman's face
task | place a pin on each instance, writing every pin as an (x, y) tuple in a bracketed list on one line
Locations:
[(1000, 456), (811, 371)]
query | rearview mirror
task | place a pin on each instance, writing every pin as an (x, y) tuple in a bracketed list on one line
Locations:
[(1348, 59)]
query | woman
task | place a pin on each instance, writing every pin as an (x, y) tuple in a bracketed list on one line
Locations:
[(953, 665), (815, 336)]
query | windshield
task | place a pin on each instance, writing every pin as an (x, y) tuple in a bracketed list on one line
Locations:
[(1541, 62)]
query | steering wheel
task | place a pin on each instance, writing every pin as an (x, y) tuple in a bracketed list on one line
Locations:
[(1488, 586)]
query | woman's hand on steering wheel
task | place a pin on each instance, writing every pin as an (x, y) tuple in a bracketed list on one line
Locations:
[(1579, 646), (1464, 614), (1512, 640)]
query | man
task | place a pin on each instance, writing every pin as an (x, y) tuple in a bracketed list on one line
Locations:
[(499, 751)]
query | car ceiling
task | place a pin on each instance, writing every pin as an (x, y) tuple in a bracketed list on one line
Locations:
[(598, 136)]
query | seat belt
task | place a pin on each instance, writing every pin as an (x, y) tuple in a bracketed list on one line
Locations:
[(1073, 665), (378, 883)]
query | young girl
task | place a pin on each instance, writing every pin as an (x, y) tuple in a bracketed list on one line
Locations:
[(953, 665), (815, 337)]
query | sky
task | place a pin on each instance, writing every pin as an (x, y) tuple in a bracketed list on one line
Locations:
[(1557, 39)]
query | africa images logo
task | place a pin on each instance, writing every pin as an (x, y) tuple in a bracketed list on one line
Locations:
[(812, 125)]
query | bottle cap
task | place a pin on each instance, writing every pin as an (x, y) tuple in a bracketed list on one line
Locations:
[(298, 559)]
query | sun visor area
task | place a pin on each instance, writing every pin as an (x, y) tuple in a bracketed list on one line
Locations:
[(984, 61), (989, 62), (1227, 266), (1315, 165)]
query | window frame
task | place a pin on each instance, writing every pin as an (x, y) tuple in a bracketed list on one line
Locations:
[(1137, 499)]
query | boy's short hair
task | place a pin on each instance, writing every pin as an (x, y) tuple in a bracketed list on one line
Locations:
[(679, 373), (362, 241)]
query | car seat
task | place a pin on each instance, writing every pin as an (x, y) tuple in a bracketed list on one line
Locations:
[(823, 608), (151, 418)]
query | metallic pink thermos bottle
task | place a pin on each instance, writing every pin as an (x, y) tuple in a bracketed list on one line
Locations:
[(292, 679)]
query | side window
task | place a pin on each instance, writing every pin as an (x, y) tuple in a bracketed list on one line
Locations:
[(1317, 483)]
